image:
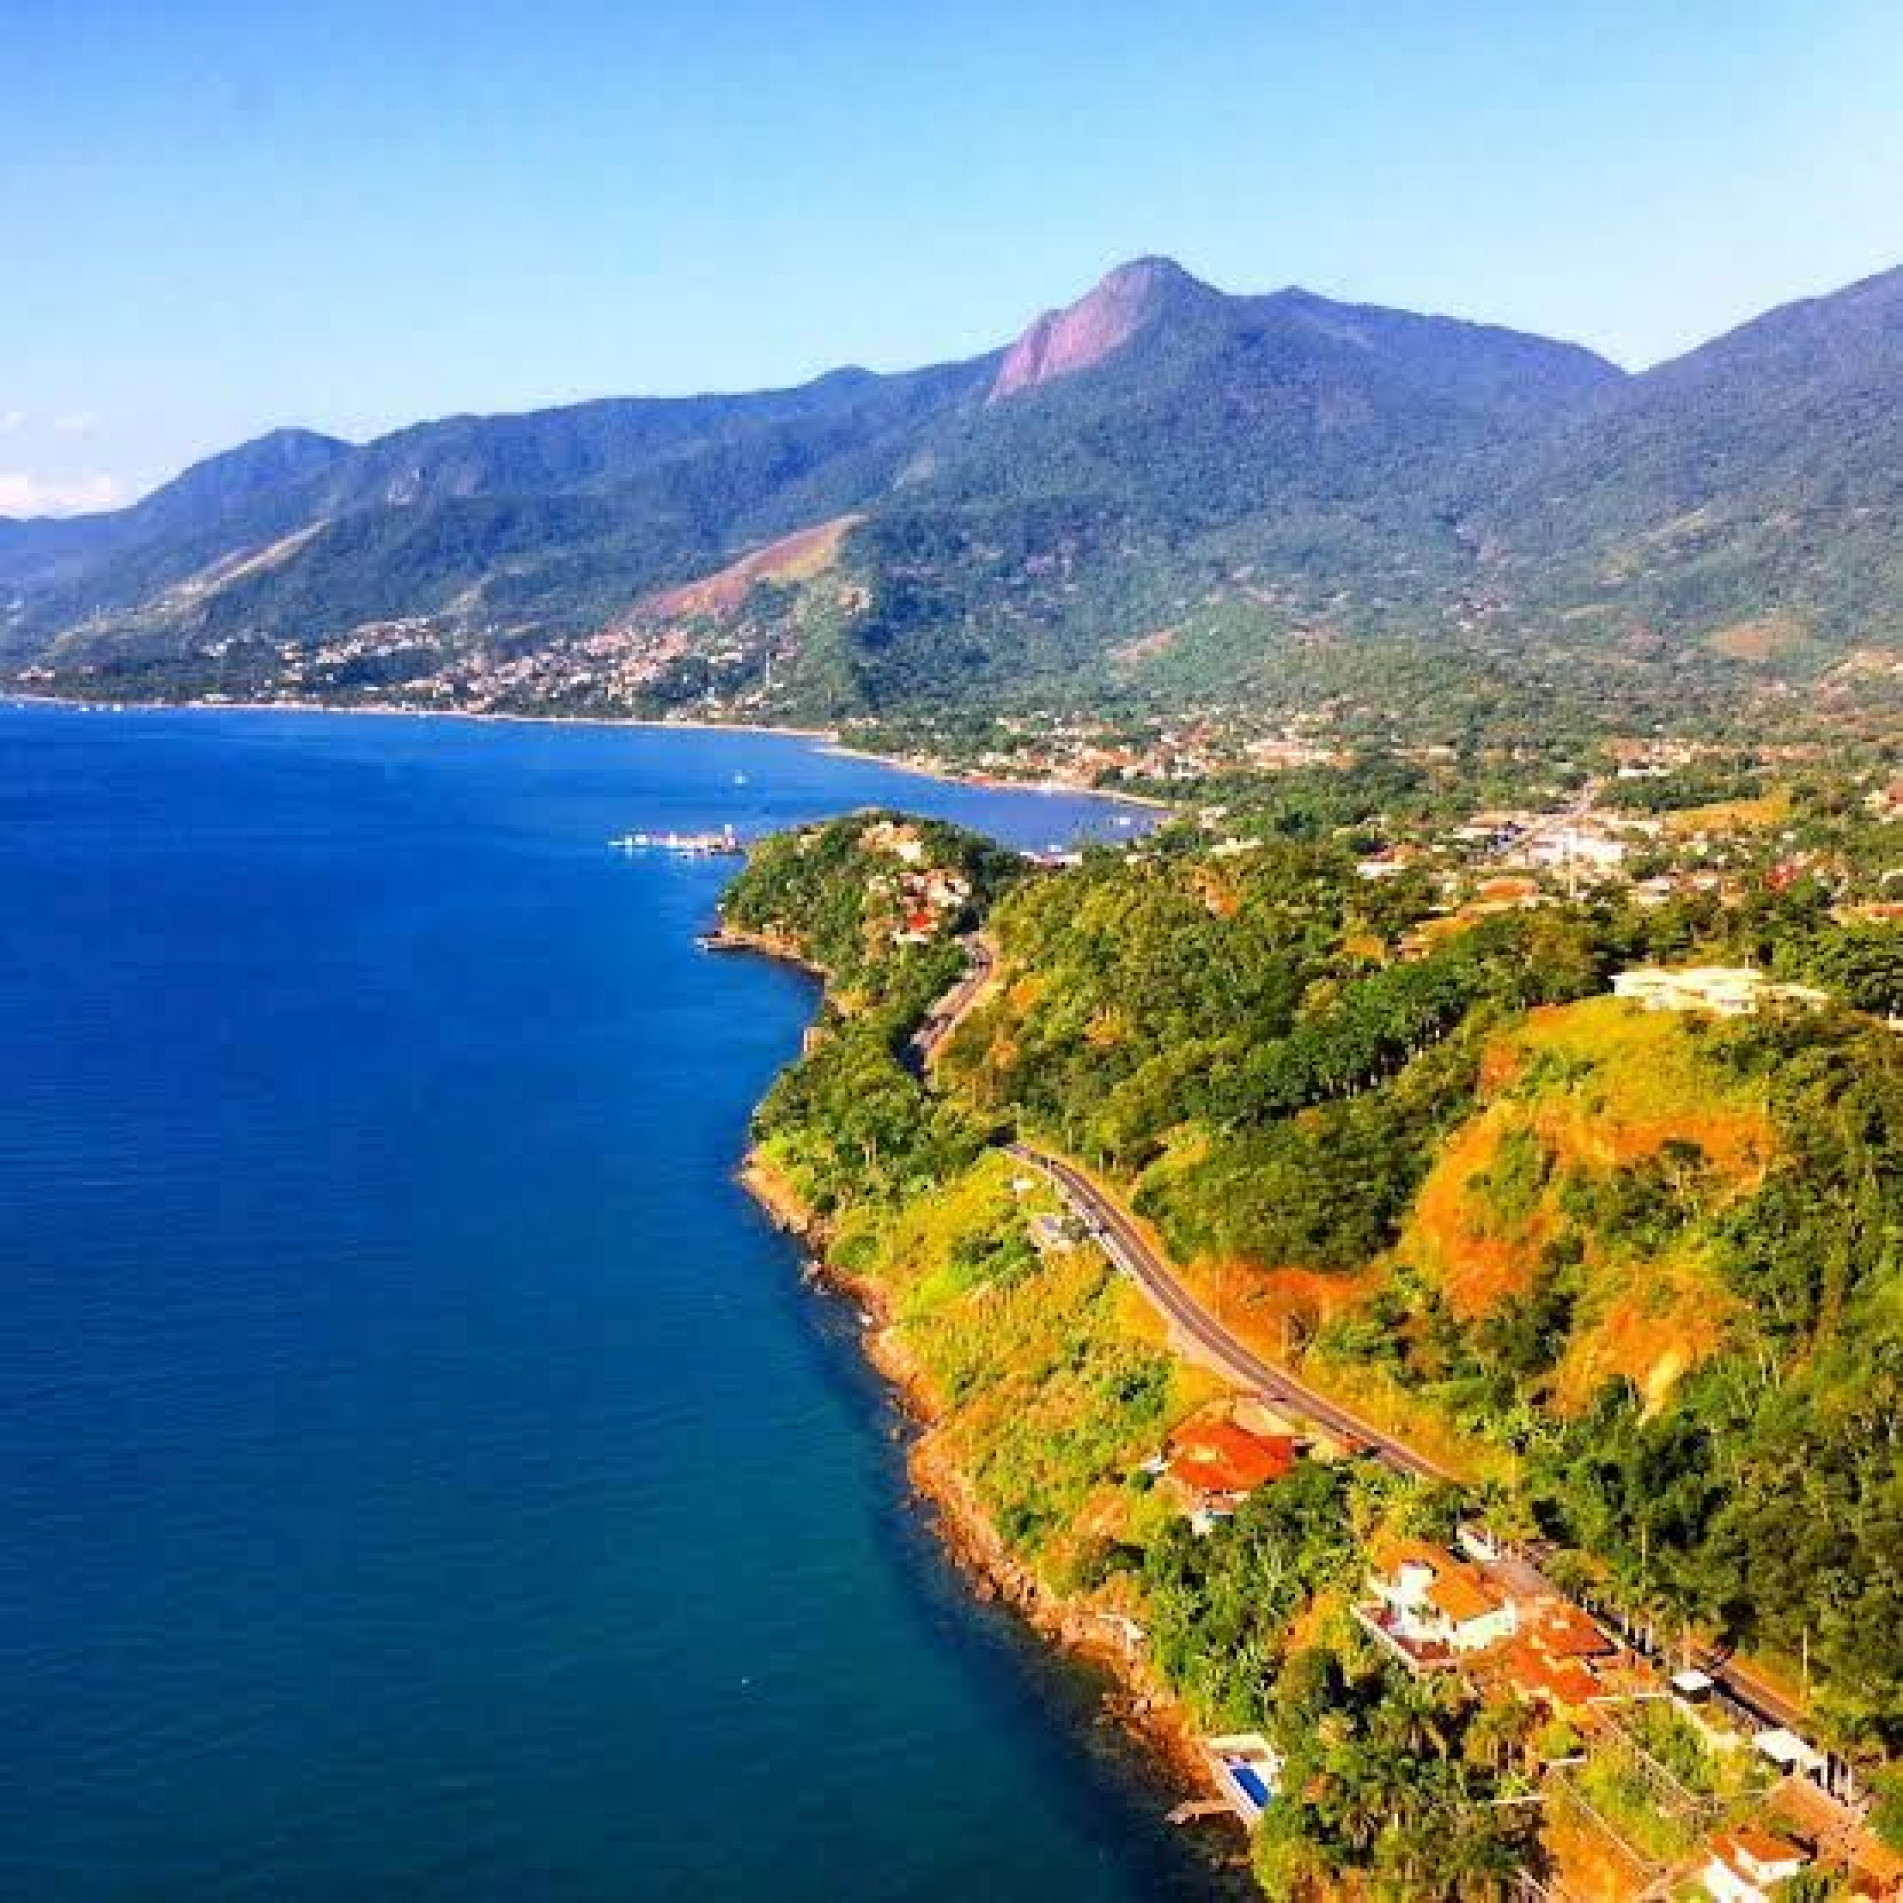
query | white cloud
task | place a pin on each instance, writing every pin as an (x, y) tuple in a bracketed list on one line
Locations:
[(22, 494), (12, 422), (76, 423)]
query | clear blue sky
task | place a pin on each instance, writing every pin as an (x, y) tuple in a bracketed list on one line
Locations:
[(220, 215)]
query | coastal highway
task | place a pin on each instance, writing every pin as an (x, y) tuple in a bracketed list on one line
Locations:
[(949, 1012), (1126, 1246)]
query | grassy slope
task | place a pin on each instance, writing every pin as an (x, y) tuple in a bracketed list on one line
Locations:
[(1582, 1094)]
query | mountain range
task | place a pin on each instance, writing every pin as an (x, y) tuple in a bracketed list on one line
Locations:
[(1159, 495)]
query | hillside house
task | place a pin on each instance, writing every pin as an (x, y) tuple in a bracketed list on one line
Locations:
[(1746, 1866), (902, 841), (927, 899), (1428, 1607), (1566, 1687), (1558, 1629), (1214, 1465), (1725, 991)]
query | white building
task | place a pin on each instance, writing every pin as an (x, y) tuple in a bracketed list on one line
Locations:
[(1430, 1599), (1745, 1866), (1725, 991), (1572, 845)]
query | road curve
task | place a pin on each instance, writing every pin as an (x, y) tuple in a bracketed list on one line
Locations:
[(949, 1012), (1126, 1246)]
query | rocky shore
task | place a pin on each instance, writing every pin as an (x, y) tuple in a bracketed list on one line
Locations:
[(1138, 1701)]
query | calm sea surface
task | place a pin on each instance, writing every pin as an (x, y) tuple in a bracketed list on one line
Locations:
[(422, 1473)]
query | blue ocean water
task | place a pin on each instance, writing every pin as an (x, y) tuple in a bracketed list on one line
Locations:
[(422, 1473)]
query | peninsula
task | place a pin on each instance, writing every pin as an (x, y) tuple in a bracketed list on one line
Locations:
[(1346, 1311)]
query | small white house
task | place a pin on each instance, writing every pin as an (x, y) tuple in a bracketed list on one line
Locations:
[(1430, 1598), (1745, 1866)]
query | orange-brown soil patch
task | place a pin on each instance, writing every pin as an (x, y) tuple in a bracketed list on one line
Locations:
[(1144, 647), (1663, 1323), (1764, 639), (797, 557)]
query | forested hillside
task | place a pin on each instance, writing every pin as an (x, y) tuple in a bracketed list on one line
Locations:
[(1636, 1277), (1643, 1273), (1159, 494), (1655, 1264), (1745, 494)]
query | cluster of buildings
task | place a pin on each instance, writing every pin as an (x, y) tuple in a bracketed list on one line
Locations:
[(1581, 846), (924, 896), (628, 667), (1081, 750), (1428, 1608), (1748, 1866), (1501, 861), (1475, 1610)]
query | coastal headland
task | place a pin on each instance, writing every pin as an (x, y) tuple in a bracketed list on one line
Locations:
[(1302, 1576)]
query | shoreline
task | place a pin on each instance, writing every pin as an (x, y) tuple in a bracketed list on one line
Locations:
[(1137, 1702), (825, 740), (730, 938)]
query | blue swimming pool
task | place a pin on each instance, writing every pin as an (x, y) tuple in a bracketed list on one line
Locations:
[(1252, 1783)]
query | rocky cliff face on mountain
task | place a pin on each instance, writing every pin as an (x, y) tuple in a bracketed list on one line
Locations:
[(1088, 331), (1159, 491)]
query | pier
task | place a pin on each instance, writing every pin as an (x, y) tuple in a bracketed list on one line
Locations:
[(724, 844)]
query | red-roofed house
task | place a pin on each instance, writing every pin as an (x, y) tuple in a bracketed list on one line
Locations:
[(1217, 1464), (1747, 1865), (1430, 1601), (1471, 1610), (1563, 1685), (1562, 1630)]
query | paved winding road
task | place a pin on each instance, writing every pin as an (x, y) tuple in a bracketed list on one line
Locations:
[(1130, 1251), (1126, 1246), (949, 1012)]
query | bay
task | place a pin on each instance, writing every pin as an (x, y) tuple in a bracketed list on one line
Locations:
[(422, 1472)]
